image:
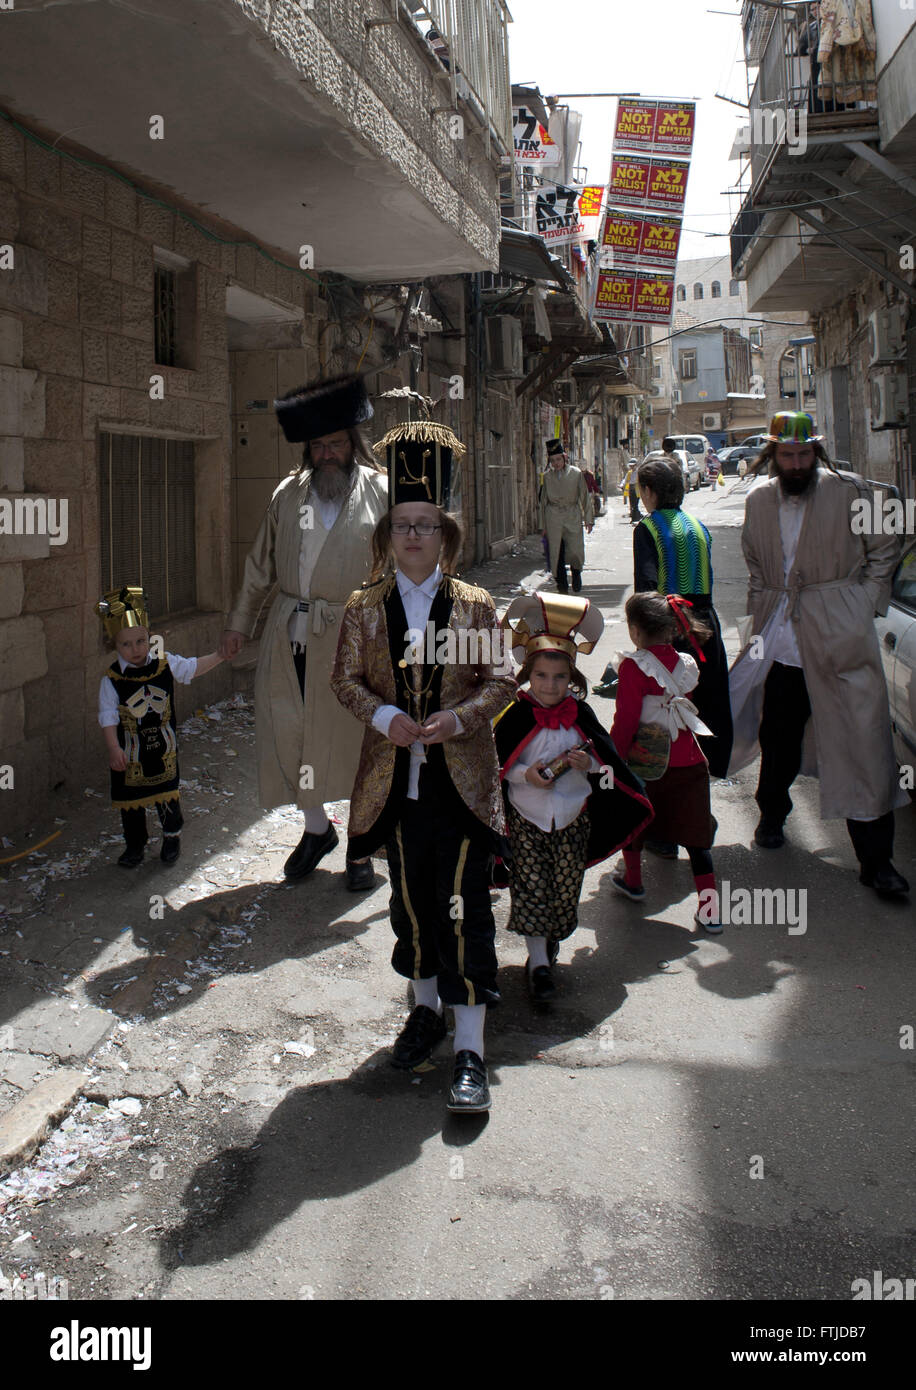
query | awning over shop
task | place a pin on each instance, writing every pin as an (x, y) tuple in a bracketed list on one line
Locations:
[(525, 255)]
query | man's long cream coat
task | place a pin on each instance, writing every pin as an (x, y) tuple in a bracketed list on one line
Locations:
[(838, 582), (565, 506), (318, 735)]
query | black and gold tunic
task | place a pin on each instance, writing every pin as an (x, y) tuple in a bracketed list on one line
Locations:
[(146, 732)]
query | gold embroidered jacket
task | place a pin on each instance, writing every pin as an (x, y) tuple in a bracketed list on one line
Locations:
[(367, 675)]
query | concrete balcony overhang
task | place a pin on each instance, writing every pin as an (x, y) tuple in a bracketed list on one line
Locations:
[(301, 126)]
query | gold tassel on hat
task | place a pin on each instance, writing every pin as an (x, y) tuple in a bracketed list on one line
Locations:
[(121, 608)]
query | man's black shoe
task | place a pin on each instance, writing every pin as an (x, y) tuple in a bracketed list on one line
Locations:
[(541, 984), (470, 1093), (886, 881), (360, 877), (171, 848), (769, 834), (131, 858), (310, 849), (423, 1031)]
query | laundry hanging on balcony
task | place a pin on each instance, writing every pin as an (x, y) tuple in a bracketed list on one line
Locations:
[(846, 52)]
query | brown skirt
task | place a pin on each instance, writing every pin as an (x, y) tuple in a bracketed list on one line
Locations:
[(680, 800)]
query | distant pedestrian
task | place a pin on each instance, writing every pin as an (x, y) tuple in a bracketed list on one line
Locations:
[(565, 506), (810, 686), (570, 800), (630, 492), (655, 730), (137, 715)]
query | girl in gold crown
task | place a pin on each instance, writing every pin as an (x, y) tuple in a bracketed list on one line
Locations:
[(570, 800), (137, 715)]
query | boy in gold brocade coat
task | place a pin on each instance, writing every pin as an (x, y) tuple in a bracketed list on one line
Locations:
[(420, 660)]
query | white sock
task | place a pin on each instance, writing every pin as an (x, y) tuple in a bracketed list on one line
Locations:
[(537, 951), (426, 992), (316, 821), (469, 1021)]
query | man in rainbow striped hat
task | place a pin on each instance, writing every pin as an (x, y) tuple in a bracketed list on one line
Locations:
[(809, 686)]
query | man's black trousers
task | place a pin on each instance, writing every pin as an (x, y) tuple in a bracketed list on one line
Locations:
[(786, 711)]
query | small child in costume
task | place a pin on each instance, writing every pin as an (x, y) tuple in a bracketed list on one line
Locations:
[(566, 806), (656, 722), (136, 712)]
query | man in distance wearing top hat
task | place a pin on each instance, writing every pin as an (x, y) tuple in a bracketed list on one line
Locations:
[(315, 544)]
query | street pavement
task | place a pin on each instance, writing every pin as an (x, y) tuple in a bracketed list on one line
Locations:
[(695, 1117)]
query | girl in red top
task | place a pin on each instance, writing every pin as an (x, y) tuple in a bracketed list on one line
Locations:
[(653, 683)]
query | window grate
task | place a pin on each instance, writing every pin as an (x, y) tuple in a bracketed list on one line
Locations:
[(147, 506)]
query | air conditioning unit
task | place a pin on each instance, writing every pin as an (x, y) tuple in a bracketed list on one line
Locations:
[(888, 400), (885, 336), (712, 422), (504, 346)]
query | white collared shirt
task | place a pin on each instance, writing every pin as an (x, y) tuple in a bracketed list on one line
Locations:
[(417, 600), (555, 806), (782, 641), (183, 668)]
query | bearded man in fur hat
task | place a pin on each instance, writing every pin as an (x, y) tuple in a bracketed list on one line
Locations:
[(315, 545)]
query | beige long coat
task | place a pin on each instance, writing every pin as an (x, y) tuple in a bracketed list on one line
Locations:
[(839, 581), (317, 734), (565, 506)]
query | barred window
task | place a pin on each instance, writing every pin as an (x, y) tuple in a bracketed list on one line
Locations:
[(146, 498), (716, 290)]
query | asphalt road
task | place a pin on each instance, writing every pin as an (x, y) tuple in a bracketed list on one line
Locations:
[(723, 1118)]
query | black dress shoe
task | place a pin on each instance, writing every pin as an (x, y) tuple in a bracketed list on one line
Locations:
[(131, 858), (423, 1031), (310, 849), (360, 876), (769, 834), (171, 848), (886, 881), (541, 984), (470, 1093)]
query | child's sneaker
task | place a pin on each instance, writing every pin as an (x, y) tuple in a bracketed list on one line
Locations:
[(714, 927), (623, 887)]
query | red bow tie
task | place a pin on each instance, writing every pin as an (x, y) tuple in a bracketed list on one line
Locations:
[(558, 716)]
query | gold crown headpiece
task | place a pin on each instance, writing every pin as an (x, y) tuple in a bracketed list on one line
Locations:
[(546, 622), (121, 608)]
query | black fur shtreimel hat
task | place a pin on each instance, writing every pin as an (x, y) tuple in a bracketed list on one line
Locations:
[(323, 407)]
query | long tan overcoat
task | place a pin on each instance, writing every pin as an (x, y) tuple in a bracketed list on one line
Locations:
[(565, 506), (839, 581), (317, 734)]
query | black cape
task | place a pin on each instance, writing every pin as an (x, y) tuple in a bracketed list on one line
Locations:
[(616, 813)]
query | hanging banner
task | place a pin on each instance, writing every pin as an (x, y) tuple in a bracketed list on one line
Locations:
[(641, 238), (533, 145), (655, 127), (565, 215), (655, 183), (635, 296)]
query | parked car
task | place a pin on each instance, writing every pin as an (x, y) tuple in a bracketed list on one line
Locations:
[(731, 458), (897, 641), (754, 441)]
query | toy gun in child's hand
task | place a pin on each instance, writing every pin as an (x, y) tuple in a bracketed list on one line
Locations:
[(552, 770)]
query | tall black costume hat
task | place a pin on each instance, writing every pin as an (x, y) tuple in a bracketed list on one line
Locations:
[(420, 456), (323, 407), (555, 446)]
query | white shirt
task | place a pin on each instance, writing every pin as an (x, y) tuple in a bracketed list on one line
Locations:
[(417, 600), (183, 668), (782, 643), (555, 806), (311, 544)]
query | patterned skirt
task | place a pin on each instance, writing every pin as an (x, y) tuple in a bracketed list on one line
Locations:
[(545, 876)]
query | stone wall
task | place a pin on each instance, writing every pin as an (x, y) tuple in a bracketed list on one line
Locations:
[(76, 357)]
